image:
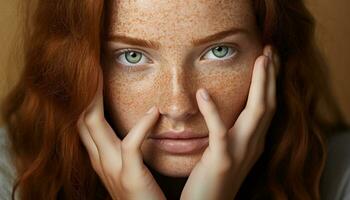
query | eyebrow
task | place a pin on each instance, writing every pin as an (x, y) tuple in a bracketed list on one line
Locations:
[(155, 45), (218, 36), (134, 41)]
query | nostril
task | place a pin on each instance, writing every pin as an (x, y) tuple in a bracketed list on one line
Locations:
[(178, 113), (177, 105)]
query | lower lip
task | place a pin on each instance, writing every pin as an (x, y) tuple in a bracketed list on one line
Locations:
[(181, 146)]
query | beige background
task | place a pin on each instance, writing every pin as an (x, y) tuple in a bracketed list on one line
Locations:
[(333, 35)]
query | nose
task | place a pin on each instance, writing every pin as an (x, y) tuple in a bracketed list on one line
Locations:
[(177, 100)]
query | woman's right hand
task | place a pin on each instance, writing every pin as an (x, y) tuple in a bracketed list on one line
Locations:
[(118, 163)]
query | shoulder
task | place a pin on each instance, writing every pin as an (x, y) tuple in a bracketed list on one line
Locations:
[(335, 181), (7, 169)]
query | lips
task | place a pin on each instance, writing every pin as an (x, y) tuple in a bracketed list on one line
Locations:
[(178, 135), (185, 142)]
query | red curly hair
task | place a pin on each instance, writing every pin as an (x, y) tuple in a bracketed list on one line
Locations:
[(62, 48)]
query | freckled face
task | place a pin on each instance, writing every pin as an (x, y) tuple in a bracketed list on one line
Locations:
[(181, 62)]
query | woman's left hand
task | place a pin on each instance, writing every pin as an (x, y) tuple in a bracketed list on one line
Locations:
[(232, 153)]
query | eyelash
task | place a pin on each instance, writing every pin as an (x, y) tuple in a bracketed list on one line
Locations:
[(129, 66)]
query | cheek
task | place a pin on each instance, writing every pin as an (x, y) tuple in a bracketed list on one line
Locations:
[(229, 90), (127, 101)]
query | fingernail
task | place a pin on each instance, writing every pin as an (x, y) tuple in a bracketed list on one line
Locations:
[(151, 110), (204, 94)]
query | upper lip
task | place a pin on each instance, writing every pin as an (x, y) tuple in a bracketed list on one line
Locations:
[(178, 135)]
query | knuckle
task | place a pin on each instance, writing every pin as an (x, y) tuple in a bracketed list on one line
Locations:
[(96, 166), (92, 118)]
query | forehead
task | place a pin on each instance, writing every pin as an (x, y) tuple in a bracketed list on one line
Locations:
[(174, 20)]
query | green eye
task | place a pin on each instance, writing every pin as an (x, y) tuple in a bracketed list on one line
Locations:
[(133, 56), (220, 51)]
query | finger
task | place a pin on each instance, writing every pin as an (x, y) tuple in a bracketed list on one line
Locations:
[(91, 149), (101, 132), (216, 127), (88, 142), (131, 144), (248, 121), (256, 97), (246, 131), (262, 128), (271, 90), (103, 136)]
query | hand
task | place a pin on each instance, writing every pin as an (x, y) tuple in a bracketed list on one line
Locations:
[(232, 153), (119, 164)]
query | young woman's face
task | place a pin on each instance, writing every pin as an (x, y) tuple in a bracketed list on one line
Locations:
[(180, 47)]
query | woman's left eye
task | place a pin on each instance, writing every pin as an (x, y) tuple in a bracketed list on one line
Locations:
[(132, 58), (220, 53)]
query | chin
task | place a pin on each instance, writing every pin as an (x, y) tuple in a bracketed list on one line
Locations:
[(172, 165)]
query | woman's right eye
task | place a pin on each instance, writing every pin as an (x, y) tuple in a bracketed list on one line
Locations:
[(131, 58)]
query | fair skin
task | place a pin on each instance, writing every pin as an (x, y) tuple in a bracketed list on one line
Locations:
[(235, 118)]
